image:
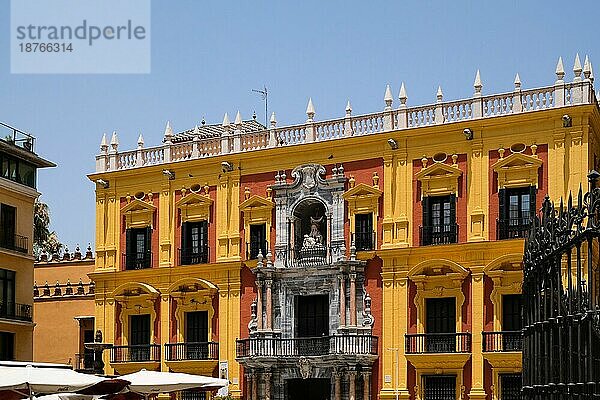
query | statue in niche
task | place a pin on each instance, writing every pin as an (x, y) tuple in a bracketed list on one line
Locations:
[(314, 238)]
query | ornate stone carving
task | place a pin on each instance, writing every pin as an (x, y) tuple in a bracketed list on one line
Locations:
[(253, 324), (305, 367), (368, 318)]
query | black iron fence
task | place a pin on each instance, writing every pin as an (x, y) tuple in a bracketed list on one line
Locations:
[(137, 260), (135, 353), (15, 242), (190, 256), (16, 137), (438, 234), (16, 311), (364, 241), (192, 351), (561, 293), (502, 341), (315, 346), (438, 343), (512, 228)]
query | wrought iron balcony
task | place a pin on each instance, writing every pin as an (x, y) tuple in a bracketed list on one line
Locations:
[(192, 351), (15, 242), (313, 346), (135, 353), (252, 249), (438, 234), (190, 256), (512, 228), (137, 260), (84, 362), (502, 341), (438, 343), (16, 311), (364, 241)]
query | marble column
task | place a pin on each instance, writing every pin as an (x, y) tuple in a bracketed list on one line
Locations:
[(267, 380), (254, 385), (352, 299), (351, 385), (337, 390), (342, 300), (269, 284), (259, 305), (248, 377), (367, 385)]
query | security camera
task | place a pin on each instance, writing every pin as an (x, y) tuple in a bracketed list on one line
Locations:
[(102, 183), (566, 120), (393, 144), (169, 173), (226, 166), (468, 133)]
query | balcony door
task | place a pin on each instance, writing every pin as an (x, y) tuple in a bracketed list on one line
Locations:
[(139, 248), (440, 322), (8, 219), (511, 322), (517, 206), (439, 220), (364, 231), (139, 337), (258, 239), (7, 293), (7, 346), (312, 321), (196, 335), (439, 387), (194, 243)]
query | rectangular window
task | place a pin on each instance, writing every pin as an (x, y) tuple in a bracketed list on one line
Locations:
[(194, 243), (7, 293), (17, 170), (7, 346), (516, 208), (440, 325), (510, 387), (439, 220), (258, 240), (312, 316), (139, 248), (439, 387), (8, 220), (364, 235)]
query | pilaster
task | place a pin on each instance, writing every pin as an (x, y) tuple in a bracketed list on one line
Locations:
[(165, 207), (558, 165), (388, 200), (165, 317), (403, 198), (477, 200), (477, 297), (222, 218)]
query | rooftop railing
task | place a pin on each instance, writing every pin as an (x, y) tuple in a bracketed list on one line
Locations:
[(234, 140), (16, 137)]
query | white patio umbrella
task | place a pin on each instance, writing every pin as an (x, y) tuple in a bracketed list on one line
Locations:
[(45, 380), (68, 396), (151, 382)]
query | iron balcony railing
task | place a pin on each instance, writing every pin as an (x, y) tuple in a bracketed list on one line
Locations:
[(364, 241), (512, 228), (312, 346), (192, 351), (135, 353), (252, 249), (84, 362), (16, 311), (438, 343), (191, 256), (438, 234), (137, 260), (17, 137), (502, 341), (15, 242)]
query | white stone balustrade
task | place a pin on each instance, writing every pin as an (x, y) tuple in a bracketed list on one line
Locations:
[(234, 140)]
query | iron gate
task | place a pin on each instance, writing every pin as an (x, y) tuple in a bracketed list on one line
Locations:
[(561, 288)]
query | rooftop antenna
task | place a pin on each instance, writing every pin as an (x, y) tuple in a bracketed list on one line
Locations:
[(264, 94)]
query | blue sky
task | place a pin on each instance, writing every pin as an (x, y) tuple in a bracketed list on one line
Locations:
[(208, 55)]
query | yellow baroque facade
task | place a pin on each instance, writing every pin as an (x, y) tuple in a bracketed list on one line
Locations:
[(374, 256)]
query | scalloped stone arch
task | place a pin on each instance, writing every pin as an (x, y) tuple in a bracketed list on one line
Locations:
[(133, 285), (202, 282), (438, 262), (506, 281)]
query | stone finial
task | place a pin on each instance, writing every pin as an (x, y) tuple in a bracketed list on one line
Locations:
[(352, 181), (269, 192), (206, 188), (259, 258), (77, 254), (577, 68), (226, 121), (196, 131), (402, 96), (586, 68), (140, 142), (238, 119), (203, 122), (273, 120), (477, 83), (517, 82), (103, 144), (560, 70), (533, 149), (246, 193), (439, 95), (388, 98), (591, 72), (269, 257), (348, 109), (375, 180), (424, 161), (168, 132), (501, 152), (254, 115), (310, 110), (88, 253), (114, 141)]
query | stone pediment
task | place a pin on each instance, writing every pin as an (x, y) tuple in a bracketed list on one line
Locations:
[(517, 170), (194, 207), (439, 179), (362, 191), (138, 213), (194, 199), (137, 205), (256, 202)]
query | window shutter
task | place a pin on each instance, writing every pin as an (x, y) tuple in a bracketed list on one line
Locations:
[(185, 236), (204, 234), (502, 204), (453, 208), (426, 211), (149, 240), (532, 205)]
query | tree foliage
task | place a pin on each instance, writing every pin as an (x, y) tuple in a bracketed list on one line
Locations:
[(44, 240)]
